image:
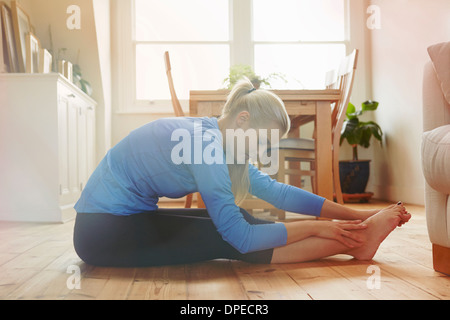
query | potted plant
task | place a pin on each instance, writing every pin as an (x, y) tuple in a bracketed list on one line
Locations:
[(240, 71), (354, 174), (80, 82)]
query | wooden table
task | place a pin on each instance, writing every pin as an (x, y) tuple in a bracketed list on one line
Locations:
[(299, 103)]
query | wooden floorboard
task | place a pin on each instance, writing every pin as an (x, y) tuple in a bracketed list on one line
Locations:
[(37, 262)]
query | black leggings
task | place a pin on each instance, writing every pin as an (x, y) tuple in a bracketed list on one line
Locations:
[(161, 237)]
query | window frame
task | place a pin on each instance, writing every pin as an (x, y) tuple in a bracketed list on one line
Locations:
[(241, 46)]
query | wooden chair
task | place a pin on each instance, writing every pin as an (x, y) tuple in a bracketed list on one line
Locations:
[(175, 102), (303, 150), (176, 108)]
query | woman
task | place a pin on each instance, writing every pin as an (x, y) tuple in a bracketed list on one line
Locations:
[(119, 224)]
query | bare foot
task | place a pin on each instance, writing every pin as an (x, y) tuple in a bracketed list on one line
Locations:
[(379, 226)]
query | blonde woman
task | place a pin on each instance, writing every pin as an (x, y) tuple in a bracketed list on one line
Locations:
[(119, 223)]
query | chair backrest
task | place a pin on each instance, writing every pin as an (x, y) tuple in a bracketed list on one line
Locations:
[(332, 83), (175, 102), (331, 79), (345, 79)]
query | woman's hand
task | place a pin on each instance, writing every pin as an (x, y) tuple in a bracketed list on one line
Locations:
[(340, 231)]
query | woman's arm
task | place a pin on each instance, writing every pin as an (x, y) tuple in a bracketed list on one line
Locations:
[(283, 196), (294, 199), (214, 184)]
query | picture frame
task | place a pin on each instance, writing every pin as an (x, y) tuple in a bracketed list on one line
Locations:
[(45, 61), (33, 48), (22, 27), (65, 68), (8, 31), (68, 70)]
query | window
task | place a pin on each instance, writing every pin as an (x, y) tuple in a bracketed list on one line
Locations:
[(301, 39), (196, 34)]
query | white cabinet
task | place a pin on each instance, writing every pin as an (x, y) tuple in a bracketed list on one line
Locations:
[(76, 136), (47, 146)]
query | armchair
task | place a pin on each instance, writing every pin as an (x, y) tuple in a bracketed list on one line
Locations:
[(436, 152)]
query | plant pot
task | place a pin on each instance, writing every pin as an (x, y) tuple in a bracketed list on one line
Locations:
[(354, 176)]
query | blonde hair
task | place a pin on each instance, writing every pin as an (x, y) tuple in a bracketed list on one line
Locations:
[(265, 108)]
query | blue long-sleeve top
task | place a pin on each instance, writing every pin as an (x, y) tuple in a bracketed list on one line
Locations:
[(150, 163)]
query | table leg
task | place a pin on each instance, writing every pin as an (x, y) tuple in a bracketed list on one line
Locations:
[(323, 150), (294, 180)]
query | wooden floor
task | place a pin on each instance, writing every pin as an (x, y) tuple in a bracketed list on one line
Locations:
[(37, 261)]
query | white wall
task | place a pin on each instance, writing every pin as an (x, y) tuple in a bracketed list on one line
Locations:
[(399, 52), (362, 86)]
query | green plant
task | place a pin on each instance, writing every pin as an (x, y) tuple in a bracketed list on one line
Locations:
[(358, 133), (83, 84), (237, 72)]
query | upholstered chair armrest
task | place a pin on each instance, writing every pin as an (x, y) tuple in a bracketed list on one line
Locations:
[(436, 158)]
